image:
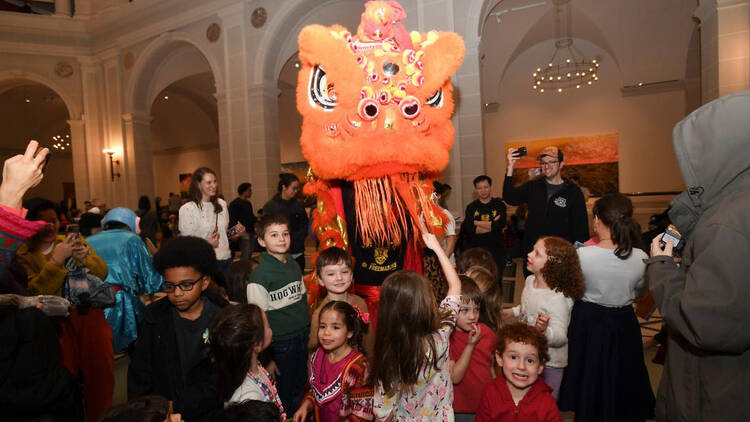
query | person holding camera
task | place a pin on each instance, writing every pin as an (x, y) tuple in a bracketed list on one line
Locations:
[(51, 260), (556, 205), (705, 299)]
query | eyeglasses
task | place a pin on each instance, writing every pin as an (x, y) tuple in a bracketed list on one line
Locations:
[(547, 163), (185, 285)]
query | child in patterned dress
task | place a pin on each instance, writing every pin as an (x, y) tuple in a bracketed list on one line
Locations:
[(339, 388), (411, 367)]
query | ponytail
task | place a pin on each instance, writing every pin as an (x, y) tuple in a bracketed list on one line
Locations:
[(615, 211), (286, 179), (626, 235)]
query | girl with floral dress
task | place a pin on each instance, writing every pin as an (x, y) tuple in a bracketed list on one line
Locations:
[(339, 388), (411, 368), (238, 336)]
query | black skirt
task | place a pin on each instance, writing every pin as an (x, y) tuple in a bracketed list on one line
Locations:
[(606, 377)]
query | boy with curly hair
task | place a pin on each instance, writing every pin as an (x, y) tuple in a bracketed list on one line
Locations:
[(170, 357), (519, 394)]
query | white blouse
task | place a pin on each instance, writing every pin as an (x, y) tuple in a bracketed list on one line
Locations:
[(201, 222)]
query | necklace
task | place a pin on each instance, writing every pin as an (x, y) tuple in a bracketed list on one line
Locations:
[(268, 389)]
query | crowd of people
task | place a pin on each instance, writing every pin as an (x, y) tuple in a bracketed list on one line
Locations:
[(78, 288)]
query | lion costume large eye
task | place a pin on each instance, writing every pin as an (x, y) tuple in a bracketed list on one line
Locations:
[(320, 92), (436, 100)]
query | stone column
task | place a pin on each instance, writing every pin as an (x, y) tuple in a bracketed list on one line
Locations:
[(97, 168), (80, 160), (265, 148), (725, 47), (734, 46), (137, 161), (62, 8), (248, 114), (468, 156)]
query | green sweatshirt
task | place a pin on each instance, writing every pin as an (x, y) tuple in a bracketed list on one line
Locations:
[(278, 289)]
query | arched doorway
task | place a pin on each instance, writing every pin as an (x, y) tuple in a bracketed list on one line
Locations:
[(184, 132), (172, 127), (30, 110)]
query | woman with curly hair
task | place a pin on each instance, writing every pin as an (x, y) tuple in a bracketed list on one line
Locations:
[(547, 300)]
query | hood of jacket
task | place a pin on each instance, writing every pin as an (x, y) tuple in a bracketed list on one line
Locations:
[(712, 145)]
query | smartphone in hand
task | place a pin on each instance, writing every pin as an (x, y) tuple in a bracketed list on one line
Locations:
[(671, 233), (520, 152), (73, 229)]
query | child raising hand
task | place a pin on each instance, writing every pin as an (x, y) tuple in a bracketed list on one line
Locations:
[(411, 368)]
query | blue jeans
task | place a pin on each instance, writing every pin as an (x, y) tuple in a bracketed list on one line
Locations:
[(290, 355)]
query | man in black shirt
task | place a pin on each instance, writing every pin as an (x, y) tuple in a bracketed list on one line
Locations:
[(241, 209), (484, 221), (556, 205)]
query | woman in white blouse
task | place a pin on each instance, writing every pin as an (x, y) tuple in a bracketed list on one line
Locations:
[(207, 216), (606, 378)]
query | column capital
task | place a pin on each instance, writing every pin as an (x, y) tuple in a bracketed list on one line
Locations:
[(233, 14), (269, 89), (728, 3), (109, 54), (75, 123), (88, 62), (705, 9), (140, 117)]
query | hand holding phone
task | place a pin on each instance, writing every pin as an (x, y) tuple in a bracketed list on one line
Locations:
[(73, 229), (671, 233), (520, 152)]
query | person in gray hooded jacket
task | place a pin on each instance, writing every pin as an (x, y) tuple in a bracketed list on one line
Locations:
[(706, 300)]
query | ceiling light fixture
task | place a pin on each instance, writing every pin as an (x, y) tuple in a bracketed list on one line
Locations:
[(568, 67)]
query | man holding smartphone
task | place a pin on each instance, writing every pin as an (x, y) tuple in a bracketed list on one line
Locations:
[(556, 205)]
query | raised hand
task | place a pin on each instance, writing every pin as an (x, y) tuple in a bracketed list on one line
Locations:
[(21, 173)]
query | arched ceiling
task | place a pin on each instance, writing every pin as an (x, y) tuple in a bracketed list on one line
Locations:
[(185, 115), (648, 40), (30, 111)]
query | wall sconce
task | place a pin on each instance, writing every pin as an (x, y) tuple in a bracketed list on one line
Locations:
[(111, 154)]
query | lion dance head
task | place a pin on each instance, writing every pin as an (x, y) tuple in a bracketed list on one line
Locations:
[(376, 108)]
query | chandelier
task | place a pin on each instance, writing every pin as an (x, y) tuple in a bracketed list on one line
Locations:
[(565, 70), (60, 143), (568, 68)]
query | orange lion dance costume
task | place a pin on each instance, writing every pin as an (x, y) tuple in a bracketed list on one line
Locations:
[(376, 130)]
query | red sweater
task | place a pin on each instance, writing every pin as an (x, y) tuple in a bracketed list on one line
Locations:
[(497, 404), (466, 394)]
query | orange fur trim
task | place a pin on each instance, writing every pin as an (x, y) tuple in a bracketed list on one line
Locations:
[(338, 142)]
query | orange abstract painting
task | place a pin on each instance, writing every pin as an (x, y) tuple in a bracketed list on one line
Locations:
[(578, 150)]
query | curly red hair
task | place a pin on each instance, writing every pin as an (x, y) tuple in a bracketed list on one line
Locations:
[(562, 272), (522, 333)]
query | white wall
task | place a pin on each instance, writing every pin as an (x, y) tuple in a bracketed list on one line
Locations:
[(644, 123), (290, 127), (169, 165)]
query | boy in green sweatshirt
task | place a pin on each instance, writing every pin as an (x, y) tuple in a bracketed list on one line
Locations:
[(276, 286)]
